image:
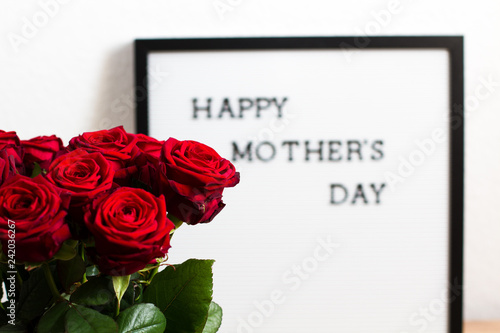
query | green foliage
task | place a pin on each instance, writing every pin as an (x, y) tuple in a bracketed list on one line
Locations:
[(142, 318), (120, 285), (13, 328), (177, 222), (70, 271), (95, 292), (214, 318), (67, 317), (136, 183), (131, 296), (80, 319), (183, 293), (92, 271), (54, 319), (36, 170), (67, 252), (176, 300), (35, 296), (3, 315)]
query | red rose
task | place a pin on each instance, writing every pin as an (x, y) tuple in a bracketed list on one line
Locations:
[(147, 160), (7, 166), (10, 142), (83, 174), (116, 145), (192, 177), (41, 150), (37, 209), (149, 146), (130, 228)]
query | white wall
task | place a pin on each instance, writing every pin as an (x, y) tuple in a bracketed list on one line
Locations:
[(74, 73)]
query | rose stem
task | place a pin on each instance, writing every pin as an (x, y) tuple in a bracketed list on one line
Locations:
[(19, 278), (152, 274), (82, 254), (50, 281)]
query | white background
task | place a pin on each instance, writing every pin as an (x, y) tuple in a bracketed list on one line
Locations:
[(75, 74), (389, 259)]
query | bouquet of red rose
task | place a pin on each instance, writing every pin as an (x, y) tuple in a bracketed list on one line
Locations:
[(85, 228)]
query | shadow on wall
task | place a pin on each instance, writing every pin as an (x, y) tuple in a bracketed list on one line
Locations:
[(115, 104)]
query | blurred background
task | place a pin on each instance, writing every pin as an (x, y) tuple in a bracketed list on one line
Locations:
[(66, 67)]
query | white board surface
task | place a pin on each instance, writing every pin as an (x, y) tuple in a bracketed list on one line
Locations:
[(288, 259)]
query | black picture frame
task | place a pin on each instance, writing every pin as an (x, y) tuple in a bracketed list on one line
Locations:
[(454, 46)]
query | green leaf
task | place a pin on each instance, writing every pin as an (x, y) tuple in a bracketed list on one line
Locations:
[(70, 271), (131, 296), (3, 316), (37, 169), (13, 328), (80, 319), (66, 252), (142, 318), (120, 285), (136, 183), (177, 222), (183, 293), (72, 242), (214, 318), (66, 317), (53, 320), (94, 292), (92, 271), (35, 296)]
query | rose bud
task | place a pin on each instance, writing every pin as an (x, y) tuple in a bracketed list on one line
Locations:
[(41, 150), (147, 161), (192, 177), (83, 174), (130, 229), (149, 146), (7, 166), (11, 142), (37, 209), (116, 145)]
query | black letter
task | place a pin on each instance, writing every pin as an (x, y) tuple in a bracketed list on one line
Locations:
[(290, 144), (280, 106), (226, 108), (332, 200), (248, 151), (378, 150), (333, 150), (257, 151), (243, 107), (359, 194), (196, 108), (377, 193), (353, 150), (260, 107), (319, 150)]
